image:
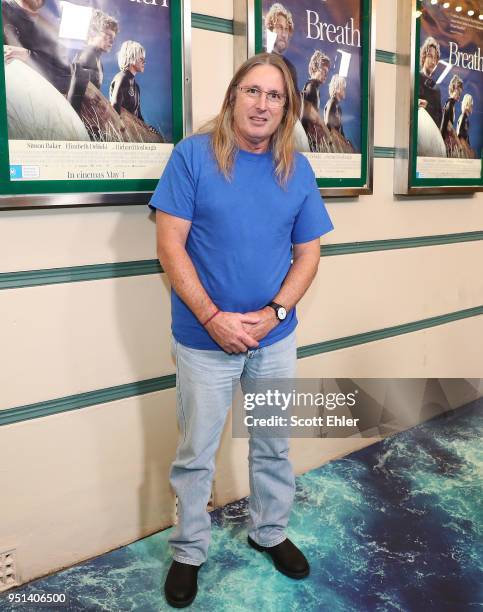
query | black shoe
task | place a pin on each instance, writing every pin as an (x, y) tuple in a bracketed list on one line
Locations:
[(181, 584), (287, 558)]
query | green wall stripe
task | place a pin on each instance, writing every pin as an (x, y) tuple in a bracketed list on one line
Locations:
[(74, 274), (397, 243), (384, 152), (53, 276), (100, 396), (389, 332), (84, 400), (386, 57), (213, 24)]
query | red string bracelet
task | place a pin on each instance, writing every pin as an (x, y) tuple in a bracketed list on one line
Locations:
[(212, 317)]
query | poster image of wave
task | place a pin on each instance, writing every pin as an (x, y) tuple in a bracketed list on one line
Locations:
[(88, 70), (450, 84), (322, 47)]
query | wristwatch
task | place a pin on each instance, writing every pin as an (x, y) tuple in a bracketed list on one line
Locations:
[(280, 311)]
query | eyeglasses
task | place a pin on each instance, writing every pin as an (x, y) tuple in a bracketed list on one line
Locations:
[(274, 98)]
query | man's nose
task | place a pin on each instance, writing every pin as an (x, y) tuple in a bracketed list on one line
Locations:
[(262, 101)]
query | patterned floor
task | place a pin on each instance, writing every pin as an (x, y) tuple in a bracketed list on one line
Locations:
[(397, 526)]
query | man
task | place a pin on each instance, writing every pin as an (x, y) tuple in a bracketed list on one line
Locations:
[(332, 109), (30, 39), (463, 126), (87, 65), (429, 91), (319, 66), (455, 90), (231, 203), (124, 92), (316, 130), (279, 20)]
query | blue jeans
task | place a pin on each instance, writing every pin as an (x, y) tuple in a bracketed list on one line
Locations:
[(204, 380)]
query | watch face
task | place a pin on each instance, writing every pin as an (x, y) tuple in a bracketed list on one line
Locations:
[(281, 313)]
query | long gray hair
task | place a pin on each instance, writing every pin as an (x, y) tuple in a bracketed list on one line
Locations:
[(224, 142)]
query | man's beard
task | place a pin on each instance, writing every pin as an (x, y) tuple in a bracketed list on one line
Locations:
[(280, 51)]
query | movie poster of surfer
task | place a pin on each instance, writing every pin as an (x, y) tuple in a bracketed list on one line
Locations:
[(322, 45), (449, 87), (88, 88)]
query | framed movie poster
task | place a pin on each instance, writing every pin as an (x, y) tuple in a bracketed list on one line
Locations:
[(92, 98), (439, 118), (328, 46)]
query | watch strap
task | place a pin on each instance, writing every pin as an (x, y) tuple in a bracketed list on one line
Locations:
[(275, 306)]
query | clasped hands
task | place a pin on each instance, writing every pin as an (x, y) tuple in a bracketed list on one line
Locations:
[(238, 332)]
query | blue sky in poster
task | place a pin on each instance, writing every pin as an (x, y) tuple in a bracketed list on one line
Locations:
[(149, 25), (447, 27), (301, 48)]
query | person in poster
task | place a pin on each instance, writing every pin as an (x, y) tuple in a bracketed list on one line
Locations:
[(312, 122), (325, 41), (463, 127), (279, 22), (333, 115), (429, 91), (448, 132), (26, 37), (319, 67), (124, 90), (87, 66)]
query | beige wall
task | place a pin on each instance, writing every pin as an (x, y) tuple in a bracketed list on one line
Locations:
[(71, 473), (76, 337)]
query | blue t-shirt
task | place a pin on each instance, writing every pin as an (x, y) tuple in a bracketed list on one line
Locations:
[(242, 231)]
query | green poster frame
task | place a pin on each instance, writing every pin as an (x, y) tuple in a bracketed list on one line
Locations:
[(363, 184), (406, 180), (44, 194)]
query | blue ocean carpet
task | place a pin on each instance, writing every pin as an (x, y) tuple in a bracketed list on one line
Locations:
[(397, 526)]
